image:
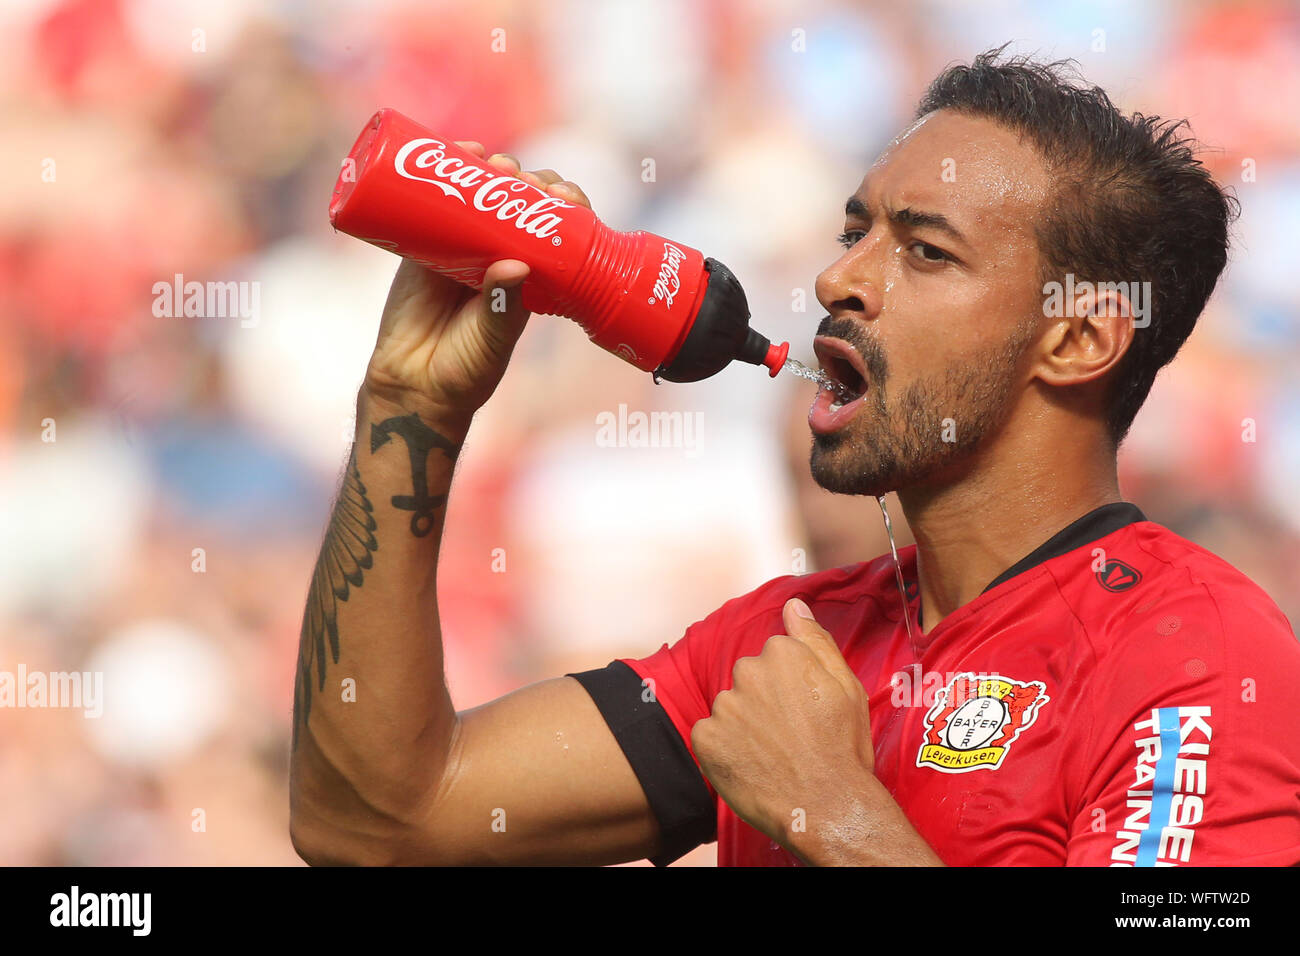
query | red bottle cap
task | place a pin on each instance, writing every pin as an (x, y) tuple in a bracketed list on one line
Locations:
[(775, 358)]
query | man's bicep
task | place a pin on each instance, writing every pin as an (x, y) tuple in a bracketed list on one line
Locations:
[(536, 777), (540, 777), (589, 768)]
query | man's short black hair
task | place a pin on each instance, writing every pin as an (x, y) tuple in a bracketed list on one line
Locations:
[(1132, 203)]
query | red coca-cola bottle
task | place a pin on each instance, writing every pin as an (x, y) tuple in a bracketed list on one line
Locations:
[(660, 305)]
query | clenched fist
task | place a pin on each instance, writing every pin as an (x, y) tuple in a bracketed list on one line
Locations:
[(789, 749), (795, 719)]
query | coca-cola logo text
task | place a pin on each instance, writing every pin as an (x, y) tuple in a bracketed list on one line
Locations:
[(667, 285), (491, 192)]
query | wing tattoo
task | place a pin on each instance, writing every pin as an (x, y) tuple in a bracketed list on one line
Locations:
[(348, 551)]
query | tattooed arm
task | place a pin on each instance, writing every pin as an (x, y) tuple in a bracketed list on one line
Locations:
[(384, 770)]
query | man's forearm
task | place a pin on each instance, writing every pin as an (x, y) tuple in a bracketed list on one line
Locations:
[(373, 720)]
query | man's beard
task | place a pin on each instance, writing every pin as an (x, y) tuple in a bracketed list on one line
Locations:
[(932, 428)]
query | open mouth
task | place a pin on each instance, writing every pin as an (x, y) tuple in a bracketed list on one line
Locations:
[(844, 367), (840, 399)]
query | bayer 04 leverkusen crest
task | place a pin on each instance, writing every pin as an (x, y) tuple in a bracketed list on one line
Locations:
[(975, 720)]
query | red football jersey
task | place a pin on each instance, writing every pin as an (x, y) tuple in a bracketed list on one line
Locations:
[(1120, 696)]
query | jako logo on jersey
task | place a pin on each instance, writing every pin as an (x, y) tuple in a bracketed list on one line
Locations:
[(1118, 576), (974, 721)]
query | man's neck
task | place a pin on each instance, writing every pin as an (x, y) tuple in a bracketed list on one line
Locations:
[(1022, 492)]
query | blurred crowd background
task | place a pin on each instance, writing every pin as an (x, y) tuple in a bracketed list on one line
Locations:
[(166, 535)]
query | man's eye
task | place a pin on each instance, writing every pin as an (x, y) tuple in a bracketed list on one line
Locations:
[(850, 238), (929, 253)]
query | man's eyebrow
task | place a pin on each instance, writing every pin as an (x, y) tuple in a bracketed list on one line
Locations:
[(907, 216)]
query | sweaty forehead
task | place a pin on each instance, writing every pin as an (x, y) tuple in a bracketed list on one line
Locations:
[(972, 170)]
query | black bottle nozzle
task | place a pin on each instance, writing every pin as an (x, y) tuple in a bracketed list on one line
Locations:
[(721, 333)]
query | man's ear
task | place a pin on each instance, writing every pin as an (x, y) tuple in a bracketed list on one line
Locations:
[(1089, 339)]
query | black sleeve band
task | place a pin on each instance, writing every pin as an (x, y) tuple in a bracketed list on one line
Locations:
[(663, 765)]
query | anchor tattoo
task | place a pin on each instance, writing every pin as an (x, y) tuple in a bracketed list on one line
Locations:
[(420, 440)]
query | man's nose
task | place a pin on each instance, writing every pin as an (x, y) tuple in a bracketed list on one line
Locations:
[(849, 287)]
